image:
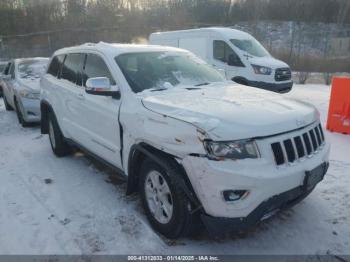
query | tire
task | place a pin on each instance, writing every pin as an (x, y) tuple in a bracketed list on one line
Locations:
[(177, 221), (20, 115), (58, 144), (7, 106)]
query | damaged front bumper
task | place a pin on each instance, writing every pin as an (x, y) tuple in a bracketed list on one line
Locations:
[(270, 188), (222, 225)]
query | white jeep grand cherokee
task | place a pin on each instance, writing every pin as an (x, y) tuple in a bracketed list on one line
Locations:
[(193, 145)]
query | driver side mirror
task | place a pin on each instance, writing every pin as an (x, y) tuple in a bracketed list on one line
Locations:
[(101, 86)]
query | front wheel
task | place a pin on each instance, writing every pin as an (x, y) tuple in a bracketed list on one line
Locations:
[(166, 206), (58, 144)]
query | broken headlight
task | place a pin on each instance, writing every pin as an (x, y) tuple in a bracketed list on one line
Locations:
[(240, 149)]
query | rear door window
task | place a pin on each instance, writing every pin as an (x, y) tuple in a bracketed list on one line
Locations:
[(96, 67), (55, 65), (72, 68)]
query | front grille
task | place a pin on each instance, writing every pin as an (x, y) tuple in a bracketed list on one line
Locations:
[(290, 150), (283, 74)]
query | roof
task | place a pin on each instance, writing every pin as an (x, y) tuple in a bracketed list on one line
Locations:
[(115, 49), (224, 31)]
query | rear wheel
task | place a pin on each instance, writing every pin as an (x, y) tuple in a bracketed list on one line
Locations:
[(58, 144), (7, 106), (166, 205)]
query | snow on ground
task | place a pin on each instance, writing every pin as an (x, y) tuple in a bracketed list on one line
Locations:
[(74, 205)]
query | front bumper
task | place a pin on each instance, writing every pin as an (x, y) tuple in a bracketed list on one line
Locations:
[(261, 177), (279, 88), (285, 200), (30, 109)]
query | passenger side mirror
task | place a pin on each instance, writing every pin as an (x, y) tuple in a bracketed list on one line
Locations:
[(101, 86), (233, 60)]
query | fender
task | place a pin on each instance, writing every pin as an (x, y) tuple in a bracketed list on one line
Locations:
[(160, 158)]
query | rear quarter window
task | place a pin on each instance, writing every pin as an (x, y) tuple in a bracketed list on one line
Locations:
[(72, 68), (55, 65)]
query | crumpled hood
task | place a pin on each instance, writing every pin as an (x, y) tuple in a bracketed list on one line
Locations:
[(231, 111), (32, 84)]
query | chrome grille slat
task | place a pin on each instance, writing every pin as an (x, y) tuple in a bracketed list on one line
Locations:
[(317, 132), (295, 149), (313, 139), (291, 149), (308, 145), (312, 145), (321, 132)]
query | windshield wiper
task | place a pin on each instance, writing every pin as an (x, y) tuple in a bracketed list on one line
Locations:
[(203, 84)]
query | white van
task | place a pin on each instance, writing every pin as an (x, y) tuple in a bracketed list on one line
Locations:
[(239, 54)]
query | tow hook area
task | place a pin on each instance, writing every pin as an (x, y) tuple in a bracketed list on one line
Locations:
[(221, 226)]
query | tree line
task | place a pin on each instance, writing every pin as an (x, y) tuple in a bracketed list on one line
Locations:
[(25, 16)]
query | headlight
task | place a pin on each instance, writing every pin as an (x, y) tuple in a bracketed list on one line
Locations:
[(27, 94), (240, 149), (262, 70)]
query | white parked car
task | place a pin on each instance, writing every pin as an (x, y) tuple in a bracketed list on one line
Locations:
[(243, 59), (21, 88), (2, 71), (191, 143)]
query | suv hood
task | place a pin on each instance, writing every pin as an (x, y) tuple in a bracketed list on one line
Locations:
[(231, 111)]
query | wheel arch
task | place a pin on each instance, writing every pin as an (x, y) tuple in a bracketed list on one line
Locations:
[(45, 108), (141, 151), (240, 80)]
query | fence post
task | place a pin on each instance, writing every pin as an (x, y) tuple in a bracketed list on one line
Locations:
[(49, 42)]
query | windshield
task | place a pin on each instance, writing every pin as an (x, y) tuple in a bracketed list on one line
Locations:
[(163, 70), (32, 69), (251, 46)]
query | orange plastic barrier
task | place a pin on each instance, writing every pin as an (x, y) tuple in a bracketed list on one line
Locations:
[(339, 106)]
